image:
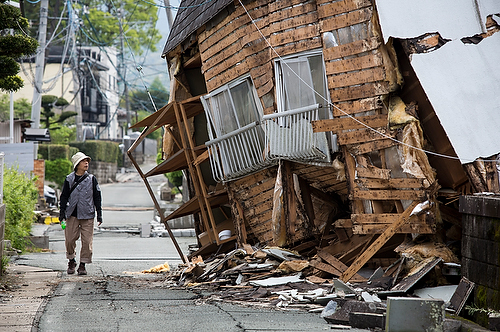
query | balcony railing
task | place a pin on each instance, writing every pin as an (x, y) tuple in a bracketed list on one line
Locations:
[(238, 153), (286, 135), (289, 135)]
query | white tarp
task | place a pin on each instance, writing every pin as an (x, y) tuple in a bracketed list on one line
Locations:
[(462, 81), (453, 19)]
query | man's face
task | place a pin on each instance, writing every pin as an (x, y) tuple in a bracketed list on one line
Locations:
[(82, 166)]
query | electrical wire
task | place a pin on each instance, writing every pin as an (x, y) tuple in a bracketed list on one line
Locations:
[(345, 113), (178, 7)]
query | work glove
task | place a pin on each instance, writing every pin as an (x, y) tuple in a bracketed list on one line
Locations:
[(99, 219), (62, 215)]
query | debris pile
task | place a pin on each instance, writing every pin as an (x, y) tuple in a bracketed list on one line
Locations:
[(283, 279)]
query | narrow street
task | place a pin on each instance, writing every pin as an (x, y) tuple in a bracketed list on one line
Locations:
[(115, 296)]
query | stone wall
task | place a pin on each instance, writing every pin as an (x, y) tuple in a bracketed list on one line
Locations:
[(103, 171)]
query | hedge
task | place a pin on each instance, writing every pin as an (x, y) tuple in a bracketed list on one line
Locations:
[(56, 151), (99, 150)]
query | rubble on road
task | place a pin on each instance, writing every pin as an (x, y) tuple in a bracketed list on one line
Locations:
[(283, 279)]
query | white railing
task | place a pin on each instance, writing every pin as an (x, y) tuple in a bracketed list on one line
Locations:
[(289, 135), (238, 153), (286, 135)]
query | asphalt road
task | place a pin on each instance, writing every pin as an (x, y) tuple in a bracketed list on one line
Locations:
[(114, 296)]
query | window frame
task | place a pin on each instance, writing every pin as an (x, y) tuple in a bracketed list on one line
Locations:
[(206, 100), (280, 81)]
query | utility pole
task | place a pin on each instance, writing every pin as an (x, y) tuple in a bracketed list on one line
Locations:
[(75, 64), (169, 13), (123, 68), (39, 64)]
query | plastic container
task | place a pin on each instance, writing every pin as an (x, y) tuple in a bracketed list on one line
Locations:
[(224, 235), (63, 224)]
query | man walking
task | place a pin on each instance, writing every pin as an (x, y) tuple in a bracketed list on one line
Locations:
[(80, 200)]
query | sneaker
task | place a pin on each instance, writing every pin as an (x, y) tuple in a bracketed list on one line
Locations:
[(71, 266), (81, 270)]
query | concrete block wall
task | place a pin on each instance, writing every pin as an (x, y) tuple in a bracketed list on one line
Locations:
[(104, 172), (481, 250)]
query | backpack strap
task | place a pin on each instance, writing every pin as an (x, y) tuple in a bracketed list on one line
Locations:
[(84, 176)]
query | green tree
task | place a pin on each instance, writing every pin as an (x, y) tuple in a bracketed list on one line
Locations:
[(48, 116), (63, 135), (13, 46), (22, 108), (20, 197), (139, 98), (101, 24)]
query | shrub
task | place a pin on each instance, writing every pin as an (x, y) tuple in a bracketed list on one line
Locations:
[(99, 150), (56, 170), (54, 151), (20, 198)]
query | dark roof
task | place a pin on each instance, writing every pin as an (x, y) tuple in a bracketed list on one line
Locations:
[(191, 15)]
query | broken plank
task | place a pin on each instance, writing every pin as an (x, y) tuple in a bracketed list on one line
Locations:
[(357, 47), (423, 268), (373, 172), (337, 264), (336, 125), (201, 158), (388, 195), (378, 243), (326, 268)]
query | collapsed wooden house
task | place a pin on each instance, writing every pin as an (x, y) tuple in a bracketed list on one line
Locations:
[(300, 125)]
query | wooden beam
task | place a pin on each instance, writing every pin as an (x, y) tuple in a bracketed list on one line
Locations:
[(378, 243)]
